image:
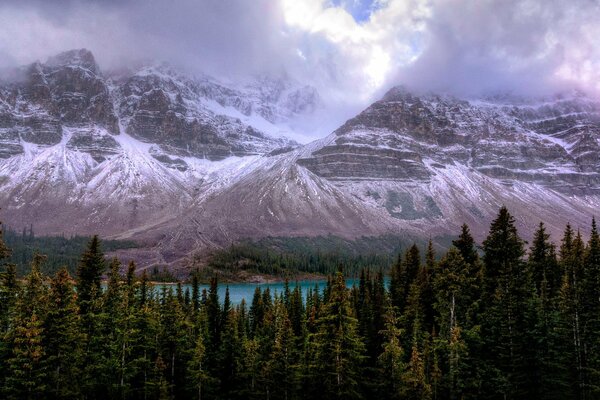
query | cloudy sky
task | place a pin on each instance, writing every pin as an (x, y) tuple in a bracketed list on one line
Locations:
[(352, 50)]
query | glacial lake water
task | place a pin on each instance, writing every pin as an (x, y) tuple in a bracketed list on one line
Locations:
[(239, 291)]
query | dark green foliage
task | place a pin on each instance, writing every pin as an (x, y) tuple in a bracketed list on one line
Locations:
[(508, 314), (338, 351), (62, 338), (403, 275), (509, 324), (89, 272), (62, 251)]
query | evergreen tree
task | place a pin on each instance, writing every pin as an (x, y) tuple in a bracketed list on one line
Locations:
[(229, 357), (197, 368), (281, 364), (26, 378), (590, 314), (8, 287), (338, 350), (391, 360), (544, 267), (403, 275), (466, 246), (508, 313), (571, 260), (62, 338), (89, 273)]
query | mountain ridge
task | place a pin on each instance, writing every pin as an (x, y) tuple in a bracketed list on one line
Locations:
[(176, 164)]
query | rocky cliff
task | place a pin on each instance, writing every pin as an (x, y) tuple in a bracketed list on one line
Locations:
[(182, 164)]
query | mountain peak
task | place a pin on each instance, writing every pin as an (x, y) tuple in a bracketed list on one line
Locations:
[(77, 57)]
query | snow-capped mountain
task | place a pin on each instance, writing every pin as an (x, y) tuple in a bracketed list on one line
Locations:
[(85, 151), (415, 166), (181, 164)]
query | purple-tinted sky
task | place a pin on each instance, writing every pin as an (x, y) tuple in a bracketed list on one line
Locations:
[(352, 50)]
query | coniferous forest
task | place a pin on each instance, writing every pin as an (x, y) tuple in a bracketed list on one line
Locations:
[(508, 320)]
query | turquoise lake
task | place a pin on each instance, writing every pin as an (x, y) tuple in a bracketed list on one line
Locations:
[(239, 291)]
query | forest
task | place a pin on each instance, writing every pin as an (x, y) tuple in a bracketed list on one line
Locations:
[(503, 320)]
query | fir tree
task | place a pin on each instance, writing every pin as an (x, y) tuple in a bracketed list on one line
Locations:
[(26, 378), (403, 275), (89, 273), (62, 338), (339, 352), (391, 360), (508, 311), (544, 267)]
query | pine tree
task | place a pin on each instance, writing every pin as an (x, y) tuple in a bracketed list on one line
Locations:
[(26, 378), (590, 314), (391, 360), (403, 275), (508, 311), (62, 339), (338, 350), (89, 273), (544, 267)]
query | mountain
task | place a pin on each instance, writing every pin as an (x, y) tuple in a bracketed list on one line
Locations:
[(414, 166), (82, 151), (183, 164)]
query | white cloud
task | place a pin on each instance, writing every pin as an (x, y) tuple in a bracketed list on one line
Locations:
[(465, 46)]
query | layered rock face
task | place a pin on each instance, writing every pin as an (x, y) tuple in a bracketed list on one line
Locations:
[(181, 164), (35, 106), (437, 161), (552, 142), (189, 118), (85, 151)]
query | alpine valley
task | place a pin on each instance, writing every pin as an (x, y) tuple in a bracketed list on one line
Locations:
[(183, 165)]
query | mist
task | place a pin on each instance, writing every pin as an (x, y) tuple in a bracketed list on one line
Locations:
[(352, 52)]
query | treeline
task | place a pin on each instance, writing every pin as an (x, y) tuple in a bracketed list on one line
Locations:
[(61, 251), (510, 324), (262, 259)]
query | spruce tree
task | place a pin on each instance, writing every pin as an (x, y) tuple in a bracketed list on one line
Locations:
[(508, 290), (466, 245), (26, 376), (338, 350), (571, 260), (544, 267), (282, 363), (403, 276), (391, 360), (62, 338), (89, 273), (197, 368), (590, 314)]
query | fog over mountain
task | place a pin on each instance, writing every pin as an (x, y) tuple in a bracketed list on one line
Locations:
[(352, 51)]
